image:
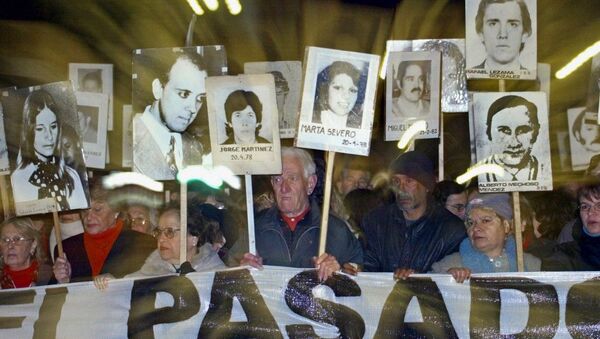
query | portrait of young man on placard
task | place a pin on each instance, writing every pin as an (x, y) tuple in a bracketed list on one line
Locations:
[(172, 131), (512, 132), (502, 42)]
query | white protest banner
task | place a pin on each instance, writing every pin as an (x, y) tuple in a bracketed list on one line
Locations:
[(286, 302)]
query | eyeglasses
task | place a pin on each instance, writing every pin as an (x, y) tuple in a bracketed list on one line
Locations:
[(483, 222), (169, 232), (587, 208), (16, 240)]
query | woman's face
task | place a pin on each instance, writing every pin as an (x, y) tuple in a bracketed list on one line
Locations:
[(589, 211), (17, 249), (244, 126), (487, 231), (342, 94), (99, 218), (168, 248), (45, 132)]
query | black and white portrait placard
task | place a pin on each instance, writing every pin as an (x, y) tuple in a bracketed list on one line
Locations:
[(501, 39), (94, 78), (91, 112), (584, 136), (244, 129), (4, 165), (593, 93), (511, 131), (412, 93), (127, 137), (170, 129), (45, 149), (288, 82), (338, 99), (454, 82)]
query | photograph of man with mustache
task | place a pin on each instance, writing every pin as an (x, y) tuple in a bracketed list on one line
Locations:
[(411, 79)]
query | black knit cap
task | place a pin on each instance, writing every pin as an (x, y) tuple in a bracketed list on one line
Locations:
[(415, 165)]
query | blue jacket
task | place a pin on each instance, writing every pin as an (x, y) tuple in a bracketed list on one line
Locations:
[(391, 244), (271, 233)]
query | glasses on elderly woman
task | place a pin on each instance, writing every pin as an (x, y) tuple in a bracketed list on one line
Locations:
[(169, 232), (588, 208), (16, 240)]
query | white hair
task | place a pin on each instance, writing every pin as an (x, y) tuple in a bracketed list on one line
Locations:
[(308, 164)]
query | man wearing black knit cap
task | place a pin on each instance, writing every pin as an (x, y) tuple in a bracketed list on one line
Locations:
[(411, 233)]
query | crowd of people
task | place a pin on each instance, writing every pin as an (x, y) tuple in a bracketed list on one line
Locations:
[(399, 220)]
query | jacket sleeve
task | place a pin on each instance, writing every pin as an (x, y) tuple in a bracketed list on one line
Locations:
[(343, 244), (371, 258)]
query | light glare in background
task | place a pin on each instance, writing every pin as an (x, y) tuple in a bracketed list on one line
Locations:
[(212, 5), (479, 169), (411, 132), (195, 7), (234, 6), (119, 179), (581, 58), (212, 177)]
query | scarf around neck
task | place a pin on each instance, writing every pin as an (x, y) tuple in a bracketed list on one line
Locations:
[(479, 262), (49, 182)]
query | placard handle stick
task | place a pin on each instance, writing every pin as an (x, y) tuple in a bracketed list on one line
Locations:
[(250, 214), (326, 201), (516, 209), (4, 194), (57, 229), (182, 222), (441, 149)]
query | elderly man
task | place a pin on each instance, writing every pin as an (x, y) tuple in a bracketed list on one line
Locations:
[(411, 233), (179, 92), (410, 78), (105, 246), (288, 234), (503, 27), (513, 128)]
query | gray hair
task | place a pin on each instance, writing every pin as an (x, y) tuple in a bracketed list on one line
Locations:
[(25, 227), (308, 164)]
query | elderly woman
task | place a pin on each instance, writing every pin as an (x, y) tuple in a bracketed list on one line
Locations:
[(339, 96), (22, 263), (165, 259), (105, 246), (490, 247), (41, 170)]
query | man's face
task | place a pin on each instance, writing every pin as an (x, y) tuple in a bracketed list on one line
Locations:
[(181, 97), (244, 125), (412, 83), (410, 194), (502, 32), (512, 136), (589, 128), (352, 179), (291, 188)]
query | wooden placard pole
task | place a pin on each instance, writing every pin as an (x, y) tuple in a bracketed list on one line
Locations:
[(57, 231), (182, 222), (250, 214), (441, 150), (326, 202), (516, 210), (4, 195)]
